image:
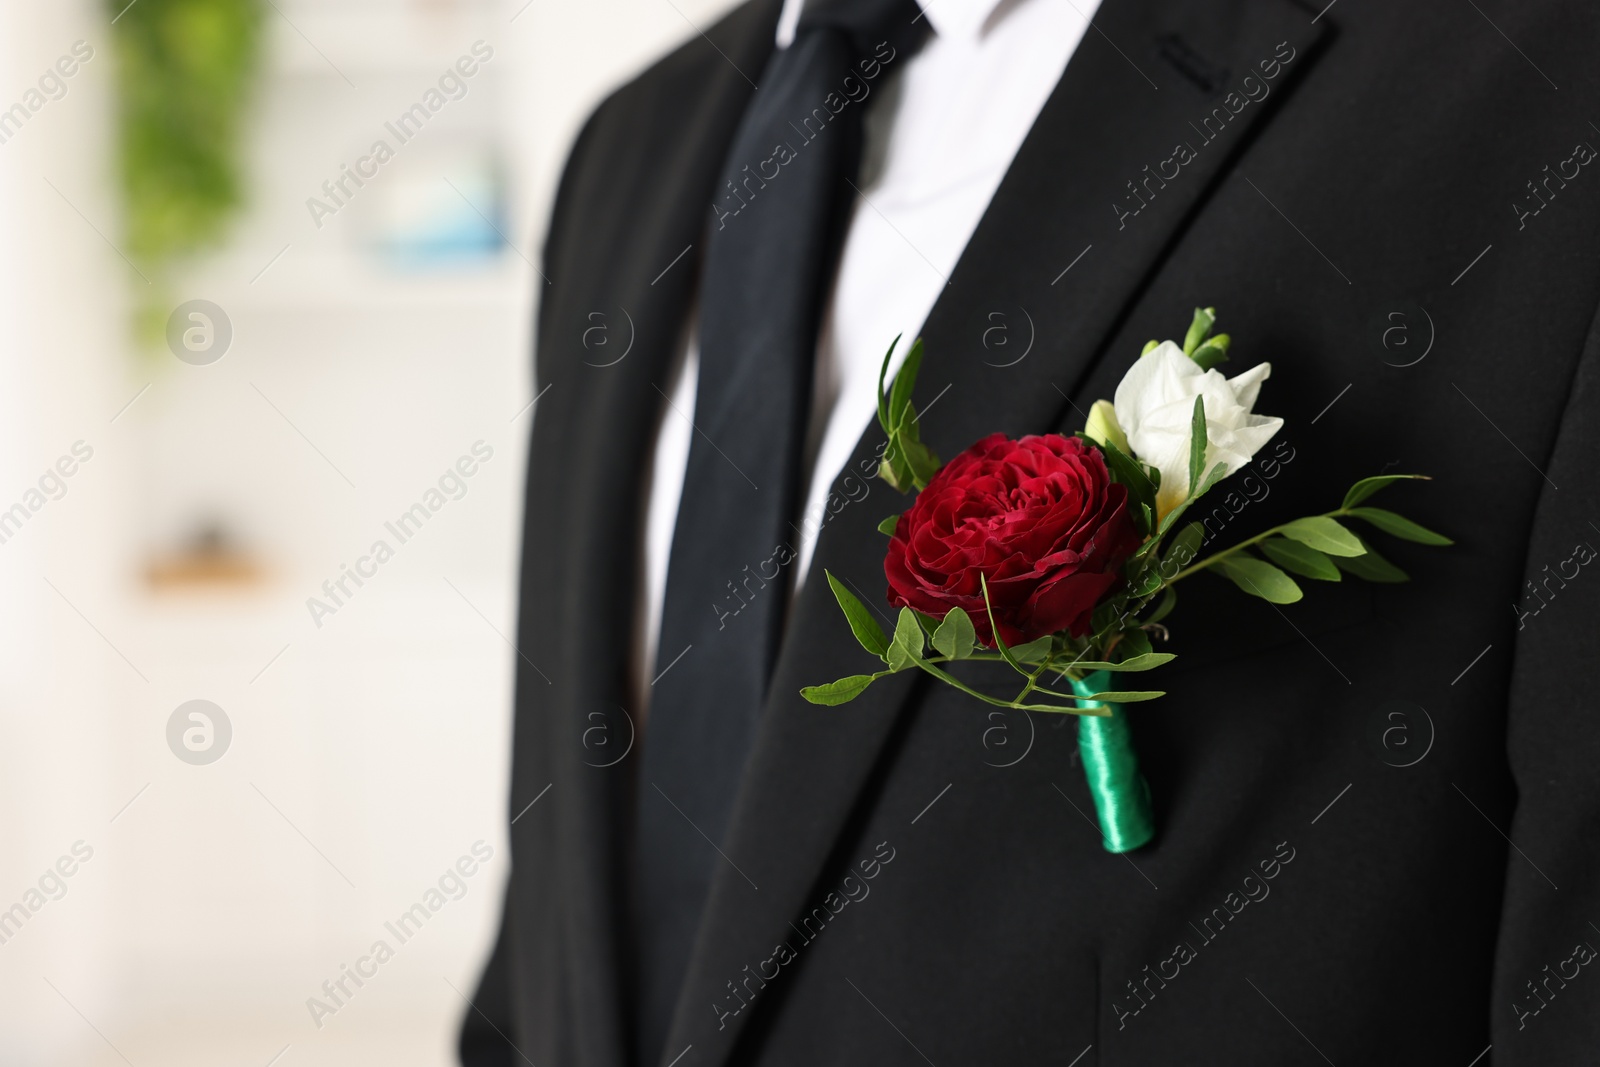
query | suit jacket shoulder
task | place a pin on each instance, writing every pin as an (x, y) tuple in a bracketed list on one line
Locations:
[(639, 128)]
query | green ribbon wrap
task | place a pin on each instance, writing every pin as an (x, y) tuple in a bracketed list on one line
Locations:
[(1121, 795)]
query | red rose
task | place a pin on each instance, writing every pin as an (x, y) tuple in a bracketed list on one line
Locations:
[(1040, 518)]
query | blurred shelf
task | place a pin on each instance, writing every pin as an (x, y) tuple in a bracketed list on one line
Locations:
[(207, 571)]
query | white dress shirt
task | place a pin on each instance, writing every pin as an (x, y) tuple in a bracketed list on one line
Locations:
[(941, 129)]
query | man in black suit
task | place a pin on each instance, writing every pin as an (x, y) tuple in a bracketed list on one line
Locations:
[(1378, 808)]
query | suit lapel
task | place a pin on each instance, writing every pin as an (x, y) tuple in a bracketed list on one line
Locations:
[(642, 181), (1061, 254)]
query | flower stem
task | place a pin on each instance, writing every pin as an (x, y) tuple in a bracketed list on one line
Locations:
[(1218, 557), (945, 676), (1033, 679)]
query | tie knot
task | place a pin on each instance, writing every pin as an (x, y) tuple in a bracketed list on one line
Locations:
[(865, 22)]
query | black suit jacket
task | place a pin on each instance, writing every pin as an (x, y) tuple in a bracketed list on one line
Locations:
[(1377, 808)]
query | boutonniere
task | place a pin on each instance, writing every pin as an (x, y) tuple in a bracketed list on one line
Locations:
[(1061, 556)]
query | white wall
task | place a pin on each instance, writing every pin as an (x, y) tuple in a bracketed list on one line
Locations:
[(371, 753)]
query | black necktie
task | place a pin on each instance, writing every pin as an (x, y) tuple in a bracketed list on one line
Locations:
[(776, 224)]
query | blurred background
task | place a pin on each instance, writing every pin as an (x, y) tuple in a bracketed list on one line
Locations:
[(241, 345)]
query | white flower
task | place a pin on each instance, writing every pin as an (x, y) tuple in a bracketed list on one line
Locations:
[(1155, 408)]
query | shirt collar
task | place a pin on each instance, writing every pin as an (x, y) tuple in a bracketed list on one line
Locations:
[(959, 19)]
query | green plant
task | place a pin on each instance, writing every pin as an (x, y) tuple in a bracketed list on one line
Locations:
[(184, 73)]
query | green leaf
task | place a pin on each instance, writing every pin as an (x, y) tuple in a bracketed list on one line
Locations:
[(1262, 579), (862, 623), (841, 692), (883, 373), (999, 642), (1126, 696), (1197, 445), (1171, 518), (1214, 351), (1169, 600), (1108, 615), (1301, 559), (1218, 472), (906, 648), (1145, 661), (955, 636), (894, 469), (905, 380), (1127, 472), (1060, 709), (1148, 661), (1134, 643), (1033, 652), (1400, 526), (1372, 567), (1324, 535), (1367, 486), (1183, 549), (920, 459), (1204, 319), (1147, 583), (887, 526), (907, 463), (1150, 346)]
